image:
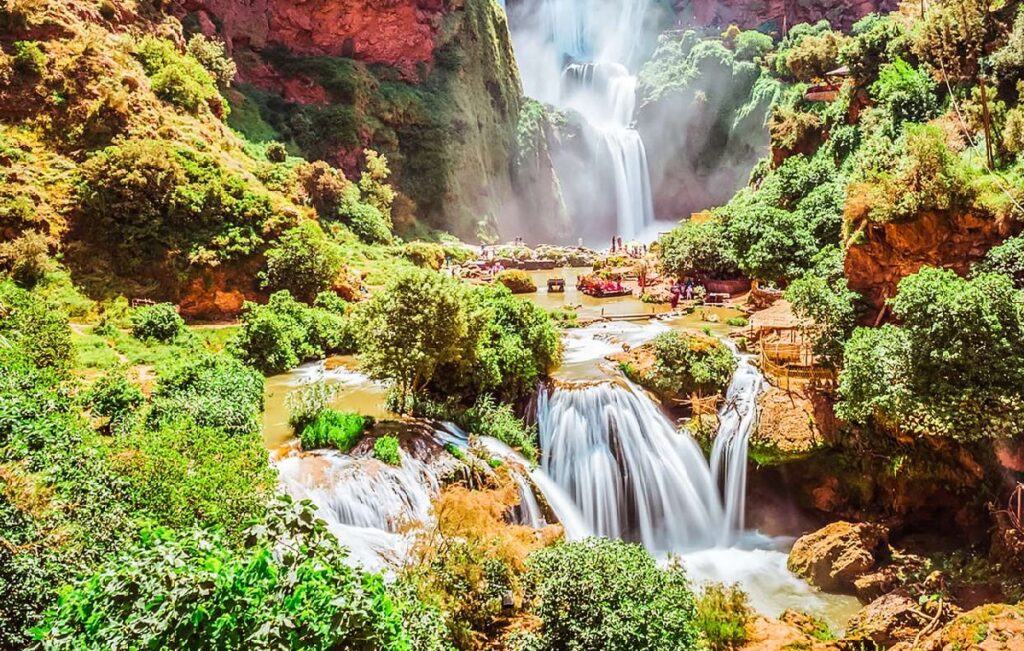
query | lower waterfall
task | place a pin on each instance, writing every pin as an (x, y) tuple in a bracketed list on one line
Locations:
[(634, 476)]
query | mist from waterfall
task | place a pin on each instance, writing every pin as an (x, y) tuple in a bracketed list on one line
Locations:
[(634, 476), (577, 55)]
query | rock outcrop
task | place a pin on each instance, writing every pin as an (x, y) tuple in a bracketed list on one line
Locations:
[(777, 14), (400, 34), (886, 253), (790, 425), (986, 628), (833, 558), (888, 620)]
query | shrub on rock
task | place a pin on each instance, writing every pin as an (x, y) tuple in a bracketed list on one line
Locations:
[(517, 281)]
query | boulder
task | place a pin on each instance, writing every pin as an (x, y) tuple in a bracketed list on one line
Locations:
[(888, 620), (986, 628), (833, 558)]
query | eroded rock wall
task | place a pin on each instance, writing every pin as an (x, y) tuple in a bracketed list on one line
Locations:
[(777, 14)]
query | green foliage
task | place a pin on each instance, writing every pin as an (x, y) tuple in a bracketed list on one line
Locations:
[(512, 345), (289, 586), (181, 474), (27, 258), (29, 58), (406, 331), (952, 37), (425, 254), (697, 249), (144, 199), (608, 594), (211, 54), (117, 399), (771, 243), (876, 40), (179, 78), (385, 449), (736, 322), (686, 364), (517, 281), (723, 614), (30, 326), (334, 429), (1008, 61), (1006, 259), (160, 322), (323, 187), (830, 306), (908, 95), (954, 368), (304, 261), (214, 391), (283, 333), (751, 45), (363, 219), (808, 52), (499, 421), (918, 174)]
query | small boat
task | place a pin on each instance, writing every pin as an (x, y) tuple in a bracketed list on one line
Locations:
[(556, 286)]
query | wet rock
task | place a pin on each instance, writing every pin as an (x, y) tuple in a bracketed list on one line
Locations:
[(833, 558), (987, 628), (888, 620)]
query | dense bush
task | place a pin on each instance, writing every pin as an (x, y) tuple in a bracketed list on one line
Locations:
[(303, 261), (211, 54), (908, 95), (322, 186), (214, 391), (498, 420), (385, 449), (32, 327), (181, 474), (876, 40), (687, 364), (697, 249), (808, 52), (424, 254), (284, 333), (608, 594), (143, 199), (723, 615), (27, 258), (1006, 259), (517, 281), (751, 44), (160, 322), (333, 429), (179, 78), (289, 586), (29, 58), (117, 399), (953, 368), (771, 243)]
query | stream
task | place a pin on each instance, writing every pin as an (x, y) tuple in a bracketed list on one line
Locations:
[(613, 464)]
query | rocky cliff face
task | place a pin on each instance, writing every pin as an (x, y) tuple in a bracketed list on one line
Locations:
[(398, 33), (777, 14), (886, 253), (432, 84)]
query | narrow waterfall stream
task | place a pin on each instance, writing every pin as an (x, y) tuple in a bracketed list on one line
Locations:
[(576, 54)]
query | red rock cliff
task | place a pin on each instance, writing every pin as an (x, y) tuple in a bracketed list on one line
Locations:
[(396, 32), (782, 13)]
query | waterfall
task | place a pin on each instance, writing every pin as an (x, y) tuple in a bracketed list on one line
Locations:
[(634, 476), (737, 420), (576, 55)]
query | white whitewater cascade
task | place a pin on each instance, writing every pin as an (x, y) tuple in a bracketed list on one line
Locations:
[(633, 476), (600, 35), (737, 420)]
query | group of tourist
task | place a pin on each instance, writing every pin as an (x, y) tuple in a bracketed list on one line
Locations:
[(682, 290)]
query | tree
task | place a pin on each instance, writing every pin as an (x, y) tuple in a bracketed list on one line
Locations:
[(751, 44), (954, 368), (304, 261), (907, 94), (830, 306), (697, 249), (160, 323), (771, 244), (373, 184), (407, 330), (952, 37), (876, 40), (611, 595), (1006, 259)]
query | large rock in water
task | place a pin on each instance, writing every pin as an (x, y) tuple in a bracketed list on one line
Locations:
[(832, 558)]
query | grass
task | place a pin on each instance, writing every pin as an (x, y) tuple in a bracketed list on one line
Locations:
[(335, 429), (105, 351), (723, 614), (386, 449)]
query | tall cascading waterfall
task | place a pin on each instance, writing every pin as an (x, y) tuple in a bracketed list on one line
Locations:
[(633, 476), (575, 55)]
